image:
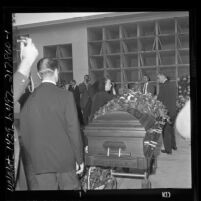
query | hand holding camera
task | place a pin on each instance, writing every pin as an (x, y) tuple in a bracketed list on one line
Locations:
[(28, 54), (28, 50)]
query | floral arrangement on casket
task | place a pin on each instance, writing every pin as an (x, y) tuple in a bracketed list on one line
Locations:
[(183, 91), (151, 113)]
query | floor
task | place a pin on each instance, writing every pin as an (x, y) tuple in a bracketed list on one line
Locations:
[(173, 171)]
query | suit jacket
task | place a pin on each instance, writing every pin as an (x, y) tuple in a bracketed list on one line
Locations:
[(50, 130), (20, 82), (22, 100), (85, 94), (76, 93), (150, 88), (167, 95)]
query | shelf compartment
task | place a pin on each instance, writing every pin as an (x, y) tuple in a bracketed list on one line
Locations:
[(183, 25), (166, 57), (166, 42), (111, 32), (148, 59), (95, 48), (131, 75), (96, 62), (66, 76), (97, 74), (65, 65), (166, 26), (64, 51), (147, 44), (169, 71), (183, 71), (183, 41), (150, 72), (129, 45), (95, 34), (114, 75), (129, 30), (50, 51), (112, 47), (147, 28), (130, 60), (183, 57), (113, 61)]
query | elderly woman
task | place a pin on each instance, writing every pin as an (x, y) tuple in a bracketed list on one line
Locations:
[(105, 93)]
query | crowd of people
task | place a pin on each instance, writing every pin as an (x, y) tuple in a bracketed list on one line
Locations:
[(52, 118)]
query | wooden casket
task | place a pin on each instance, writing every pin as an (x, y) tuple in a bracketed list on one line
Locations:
[(116, 139)]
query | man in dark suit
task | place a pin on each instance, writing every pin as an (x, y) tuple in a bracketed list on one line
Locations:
[(50, 132), (86, 94), (147, 87), (167, 95), (76, 92)]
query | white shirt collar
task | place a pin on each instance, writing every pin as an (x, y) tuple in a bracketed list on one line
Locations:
[(49, 81)]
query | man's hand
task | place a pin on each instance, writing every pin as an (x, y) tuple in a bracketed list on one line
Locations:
[(28, 55), (28, 50), (79, 168)]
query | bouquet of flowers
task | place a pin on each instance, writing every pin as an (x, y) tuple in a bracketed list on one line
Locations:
[(183, 91), (144, 103), (98, 179)]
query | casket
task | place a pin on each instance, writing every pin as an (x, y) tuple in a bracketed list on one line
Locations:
[(116, 139)]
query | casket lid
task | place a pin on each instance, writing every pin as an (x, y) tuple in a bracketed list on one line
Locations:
[(116, 122)]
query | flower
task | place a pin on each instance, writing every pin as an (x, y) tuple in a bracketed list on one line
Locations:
[(183, 91)]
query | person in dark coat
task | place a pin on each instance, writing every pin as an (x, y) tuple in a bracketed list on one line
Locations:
[(147, 87), (167, 95), (86, 94), (104, 95), (76, 92), (28, 54), (50, 132)]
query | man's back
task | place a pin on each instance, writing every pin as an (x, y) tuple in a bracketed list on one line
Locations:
[(167, 95), (50, 130)]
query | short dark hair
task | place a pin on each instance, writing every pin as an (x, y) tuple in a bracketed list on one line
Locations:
[(46, 64), (148, 78)]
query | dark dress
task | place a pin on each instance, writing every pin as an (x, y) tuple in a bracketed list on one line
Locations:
[(151, 88), (100, 99)]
